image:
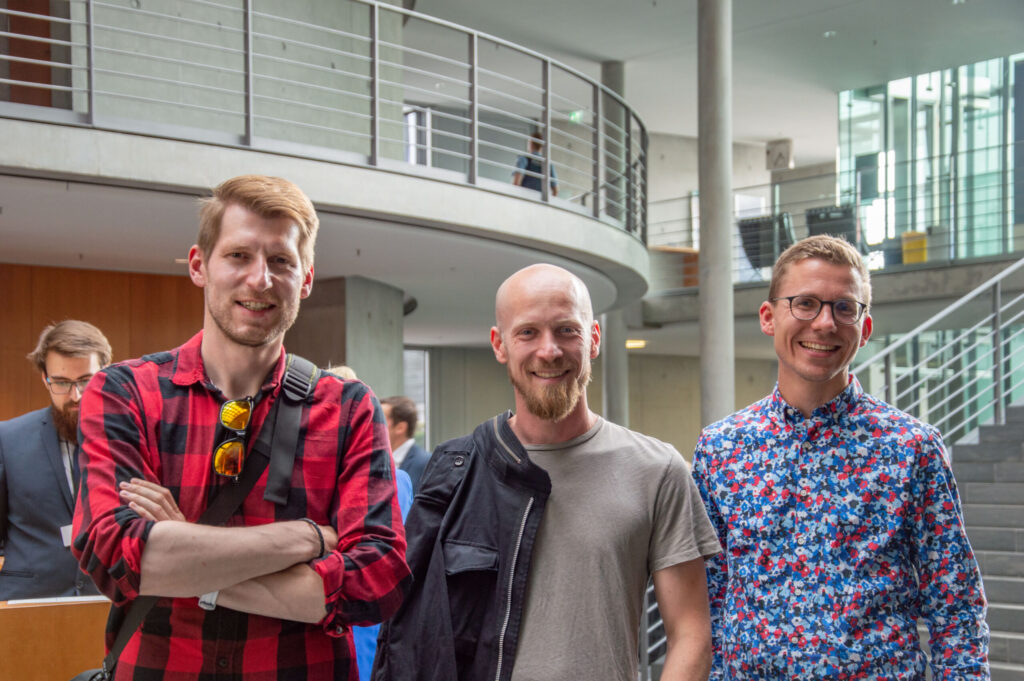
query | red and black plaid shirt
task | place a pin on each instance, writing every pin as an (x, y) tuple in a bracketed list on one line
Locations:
[(155, 418)]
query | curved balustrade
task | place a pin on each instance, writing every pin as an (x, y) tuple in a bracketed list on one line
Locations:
[(350, 81)]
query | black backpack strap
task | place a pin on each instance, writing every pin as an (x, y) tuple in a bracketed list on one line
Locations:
[(300, 377)]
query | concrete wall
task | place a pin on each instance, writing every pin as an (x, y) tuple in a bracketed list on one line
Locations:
[(373, 334), (672, 176), (353, 321), (673, 166), (803, 188), (468, 386)]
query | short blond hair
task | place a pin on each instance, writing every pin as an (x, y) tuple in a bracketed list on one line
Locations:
[(268, 197), (830, 249)]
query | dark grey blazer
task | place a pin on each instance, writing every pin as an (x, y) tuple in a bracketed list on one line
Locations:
[(34, 503), (414, 462)]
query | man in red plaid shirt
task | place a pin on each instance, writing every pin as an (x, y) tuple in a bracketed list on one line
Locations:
[(272, 595)]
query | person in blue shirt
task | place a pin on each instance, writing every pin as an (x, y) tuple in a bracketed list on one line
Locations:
[(366, 637), (530, 167), (838, 514)]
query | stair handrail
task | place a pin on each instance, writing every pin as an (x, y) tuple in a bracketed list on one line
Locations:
[(887, 353)]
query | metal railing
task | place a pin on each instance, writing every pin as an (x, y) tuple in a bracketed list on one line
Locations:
[(653, 641), (348, 81), (961, 368), (946, 217)]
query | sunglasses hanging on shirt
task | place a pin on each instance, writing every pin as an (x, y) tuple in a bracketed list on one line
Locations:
[(229, 452)]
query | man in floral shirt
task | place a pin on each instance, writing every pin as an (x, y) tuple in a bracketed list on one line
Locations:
[(838, 514)]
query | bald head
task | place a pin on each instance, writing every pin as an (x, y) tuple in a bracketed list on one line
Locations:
[(542, 281), (547, 337)]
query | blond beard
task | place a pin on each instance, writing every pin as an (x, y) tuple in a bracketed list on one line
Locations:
[(552, 403)]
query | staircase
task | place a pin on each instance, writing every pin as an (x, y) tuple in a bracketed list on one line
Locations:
[(963, 372), (990, 476)]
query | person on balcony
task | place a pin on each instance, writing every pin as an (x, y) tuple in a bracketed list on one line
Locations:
[(530, 167), (39, 468), (274, 594), (532, 540), (838, 514)]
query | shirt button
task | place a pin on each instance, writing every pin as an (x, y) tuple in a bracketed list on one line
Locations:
[(222, 662), (801, 540)]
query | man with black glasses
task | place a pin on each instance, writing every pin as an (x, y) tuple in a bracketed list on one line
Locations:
[(273, 594), (39, 468), (838, 514)]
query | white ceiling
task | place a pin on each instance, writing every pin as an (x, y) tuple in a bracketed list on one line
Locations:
[(786, 73)]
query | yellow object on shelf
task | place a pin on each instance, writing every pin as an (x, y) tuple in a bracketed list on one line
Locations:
[(915, 247)]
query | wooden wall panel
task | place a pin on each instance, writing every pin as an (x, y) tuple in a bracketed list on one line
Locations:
[(17, 339), (165, 312), (139, 314)]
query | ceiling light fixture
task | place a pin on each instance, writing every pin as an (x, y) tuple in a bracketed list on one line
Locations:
[(829, 34), (636, 344)]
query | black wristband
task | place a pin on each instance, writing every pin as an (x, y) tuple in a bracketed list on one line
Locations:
[(319, 535)]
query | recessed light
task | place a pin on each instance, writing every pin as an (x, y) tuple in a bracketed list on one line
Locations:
[(829, 34), (636, 344)]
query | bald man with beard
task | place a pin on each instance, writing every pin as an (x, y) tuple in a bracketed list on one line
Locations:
[(532, 539)]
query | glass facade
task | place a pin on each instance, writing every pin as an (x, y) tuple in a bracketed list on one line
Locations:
[(930, 163)]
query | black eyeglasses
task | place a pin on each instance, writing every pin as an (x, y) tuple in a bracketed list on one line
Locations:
[(63, 387), (229, 452), (807, 308)]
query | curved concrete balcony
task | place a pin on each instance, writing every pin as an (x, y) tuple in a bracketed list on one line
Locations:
[(404, 130)]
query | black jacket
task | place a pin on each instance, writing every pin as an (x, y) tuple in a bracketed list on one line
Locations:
[(470, 534)]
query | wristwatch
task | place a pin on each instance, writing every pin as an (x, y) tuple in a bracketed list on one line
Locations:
[(208, 601)]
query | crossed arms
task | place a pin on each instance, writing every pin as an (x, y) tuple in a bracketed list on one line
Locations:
[(261, 570), (132, 537)]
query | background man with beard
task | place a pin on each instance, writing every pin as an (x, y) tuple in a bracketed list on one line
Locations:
[(274, 594), (531, 541), (39, 469)]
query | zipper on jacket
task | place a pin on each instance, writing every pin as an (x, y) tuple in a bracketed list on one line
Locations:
[(511, 581), (497, 436)]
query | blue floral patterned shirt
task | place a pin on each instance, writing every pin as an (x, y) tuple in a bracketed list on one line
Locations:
[(839, 531)]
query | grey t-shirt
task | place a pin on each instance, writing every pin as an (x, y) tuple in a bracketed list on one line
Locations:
[(622, 505)]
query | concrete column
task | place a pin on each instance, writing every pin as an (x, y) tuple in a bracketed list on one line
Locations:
[(616, 157), (614, 358), (614, 368), (714, 107), (353, 321)]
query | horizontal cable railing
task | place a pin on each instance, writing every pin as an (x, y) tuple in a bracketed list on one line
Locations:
[(952, 215), (961, 368), (364, 83)]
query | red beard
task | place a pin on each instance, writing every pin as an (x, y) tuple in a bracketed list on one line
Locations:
[(65, 420)]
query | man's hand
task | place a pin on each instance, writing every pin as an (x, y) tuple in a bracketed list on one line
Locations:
[(151, 501)]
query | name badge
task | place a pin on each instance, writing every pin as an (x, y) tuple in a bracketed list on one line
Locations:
[(65, 535)]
